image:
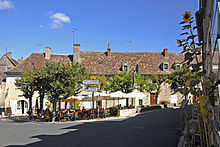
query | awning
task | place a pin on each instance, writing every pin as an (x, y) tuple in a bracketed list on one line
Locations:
[(70, 100)]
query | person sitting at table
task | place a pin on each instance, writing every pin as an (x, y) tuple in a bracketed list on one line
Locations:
[(97, 112), (47, 111), (83, 109)]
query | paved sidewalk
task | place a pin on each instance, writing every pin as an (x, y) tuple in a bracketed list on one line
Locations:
[(25, 118)]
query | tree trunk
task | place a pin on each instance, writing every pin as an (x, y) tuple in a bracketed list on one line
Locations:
[(54, 110), (30, 106), (41, 101)]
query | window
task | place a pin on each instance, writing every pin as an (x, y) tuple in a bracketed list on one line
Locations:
[(100, 62), (166, 66), (125, 67), (32, 63), (177, 66), (140, 102), (19, 105)]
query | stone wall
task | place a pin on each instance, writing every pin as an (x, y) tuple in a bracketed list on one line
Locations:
[(166, 93), (2, 95), (5, 64)]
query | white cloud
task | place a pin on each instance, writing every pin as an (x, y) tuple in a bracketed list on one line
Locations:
[(41, 26), (58, 20), (5, 4)]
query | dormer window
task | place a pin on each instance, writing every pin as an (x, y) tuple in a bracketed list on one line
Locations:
[(177, 66), (125, 67), (32, 63), (166, 66)]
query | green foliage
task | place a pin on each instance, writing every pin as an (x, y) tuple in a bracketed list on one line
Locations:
[(190, 45), (191, 80), (145, 83), (183, 80), (56, 80), (123, 82), (41, 82), (64, 80), (103, 83)]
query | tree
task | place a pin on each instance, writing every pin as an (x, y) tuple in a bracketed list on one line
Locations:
[(183, 80), (103, 83), (158, 80), (122, 82), (41, 82), (145, 83), (64, 80), (27, 86)]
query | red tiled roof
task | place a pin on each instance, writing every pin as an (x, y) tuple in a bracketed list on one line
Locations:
[(148, 62)]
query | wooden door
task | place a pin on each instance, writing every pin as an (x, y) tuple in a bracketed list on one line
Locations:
[(153, 100)]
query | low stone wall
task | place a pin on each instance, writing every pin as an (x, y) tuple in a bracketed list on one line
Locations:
[(150, 108), (127, 112)]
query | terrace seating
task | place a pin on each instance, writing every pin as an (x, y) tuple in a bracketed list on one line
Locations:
[(71, 116), (106, 113), (76, 115), (61, 116), (91, 114), (47, 117)]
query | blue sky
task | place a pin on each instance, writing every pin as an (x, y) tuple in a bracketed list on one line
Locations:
[(28, 26)]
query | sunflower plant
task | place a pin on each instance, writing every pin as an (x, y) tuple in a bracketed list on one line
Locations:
[(192, 52), (191, 49), (189, 42)]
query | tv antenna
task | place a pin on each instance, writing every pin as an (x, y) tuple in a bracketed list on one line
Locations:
[(129, 44), (6, 48), (41, 49), (73, 31)]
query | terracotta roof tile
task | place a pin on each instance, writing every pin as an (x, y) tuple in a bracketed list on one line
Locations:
[(148, 62)]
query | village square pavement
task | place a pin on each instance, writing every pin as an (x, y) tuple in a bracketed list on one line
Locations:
[(158, 128)]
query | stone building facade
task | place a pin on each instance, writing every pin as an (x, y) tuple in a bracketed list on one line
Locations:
[(100, 63), (6, 63)]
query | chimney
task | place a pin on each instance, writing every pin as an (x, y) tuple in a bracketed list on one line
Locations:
[(165, 52), (9, 54), (76, 52), (20, 60), (47, 54), (109, 50)]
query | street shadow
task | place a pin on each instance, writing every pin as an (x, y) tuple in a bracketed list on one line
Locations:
[(154, 129)]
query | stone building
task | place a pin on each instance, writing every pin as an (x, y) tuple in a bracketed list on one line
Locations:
[(99, 63), (6, 63)]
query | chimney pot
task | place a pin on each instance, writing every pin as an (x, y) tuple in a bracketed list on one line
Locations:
[(109, 50), (20, 60), (76, 52), (9, 54), (47, 54), (165, 52)]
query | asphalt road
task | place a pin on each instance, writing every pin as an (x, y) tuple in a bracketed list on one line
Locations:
[(152, 129)]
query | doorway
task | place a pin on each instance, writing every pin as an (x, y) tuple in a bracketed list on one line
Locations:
[(153, 100), (22, 106)]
